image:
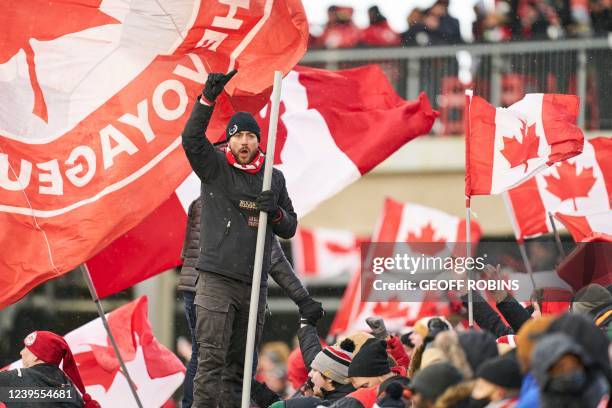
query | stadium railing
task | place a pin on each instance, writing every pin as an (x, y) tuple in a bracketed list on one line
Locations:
[(501, 73)]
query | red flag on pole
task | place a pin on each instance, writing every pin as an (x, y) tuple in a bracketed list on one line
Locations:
[(578, 186), (90, 131), (506, 146)]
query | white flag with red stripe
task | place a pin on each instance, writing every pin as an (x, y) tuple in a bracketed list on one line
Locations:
[(323, 253), (578, 186), (156, 371), (93, 97), (506, 146), (324, 143)]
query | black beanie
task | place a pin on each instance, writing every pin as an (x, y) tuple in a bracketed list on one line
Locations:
[(432, 381), (478, 347), (241, 121), (502, 371), (371, 360)]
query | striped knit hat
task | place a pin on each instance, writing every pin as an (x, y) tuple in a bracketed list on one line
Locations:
[(333, 361)]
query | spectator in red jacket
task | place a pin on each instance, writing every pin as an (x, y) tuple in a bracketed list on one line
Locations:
[(340, 31), (379, 33)]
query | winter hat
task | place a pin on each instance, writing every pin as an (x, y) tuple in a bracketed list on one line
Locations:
[(478, 346), (52, 349), (392, 394), (584, 332), (527, 337), (589, 298), (241, 121), (359, 338), (501, 371), (431, 382), (333, 361), (549, 350), (371, 361)]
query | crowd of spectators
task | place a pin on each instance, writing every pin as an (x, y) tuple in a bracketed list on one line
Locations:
[(550, 354), (507, 20)]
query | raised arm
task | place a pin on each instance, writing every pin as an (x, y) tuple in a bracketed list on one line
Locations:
[(200, 152)]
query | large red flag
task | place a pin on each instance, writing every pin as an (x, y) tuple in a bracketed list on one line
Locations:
[(506, 146), (578, 186), (334, 127), (93, 97)]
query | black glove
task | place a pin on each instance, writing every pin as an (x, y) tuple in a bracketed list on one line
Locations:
[(310, 311), (215, 84), (268, 202), (262, 395)]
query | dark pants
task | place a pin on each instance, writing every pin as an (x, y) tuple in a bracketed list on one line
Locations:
[(192, 366), (222, 316)]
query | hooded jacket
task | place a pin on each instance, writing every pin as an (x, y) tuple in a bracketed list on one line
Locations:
[(547, 352), (40, 375), (229, 210)]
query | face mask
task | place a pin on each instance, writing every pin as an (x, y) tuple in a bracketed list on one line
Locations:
[(570, 383), (478, 403)]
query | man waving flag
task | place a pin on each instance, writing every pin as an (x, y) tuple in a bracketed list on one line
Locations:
[(93, 97)]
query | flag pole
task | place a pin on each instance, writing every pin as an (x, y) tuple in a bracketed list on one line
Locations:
[(259, 249), (556, 233), (96, 299), (519, 238), (468, 250), (468, 245)]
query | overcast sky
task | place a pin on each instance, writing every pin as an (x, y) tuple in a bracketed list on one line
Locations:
[(396, 11)]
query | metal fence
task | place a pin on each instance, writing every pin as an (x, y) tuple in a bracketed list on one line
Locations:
[(502, 73)]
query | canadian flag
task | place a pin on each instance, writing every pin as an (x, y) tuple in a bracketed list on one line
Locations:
[(590, 225), (334, 127), (155, 370), (93, 97), (506, 146), (578, 186), (423, 229), (355, 307), (322, 253)]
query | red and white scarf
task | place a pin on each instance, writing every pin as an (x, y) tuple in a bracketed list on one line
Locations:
[(253, 167)]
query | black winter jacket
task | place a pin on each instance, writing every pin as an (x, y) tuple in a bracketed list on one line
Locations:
[(41, 375), (229, 212), (488, 319), (310, 345), (191, 248), (280, 270)]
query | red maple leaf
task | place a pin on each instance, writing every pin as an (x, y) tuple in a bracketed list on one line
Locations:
[(518, 153), (44, 20), (391, 309), (425, 242), (570, 185)]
